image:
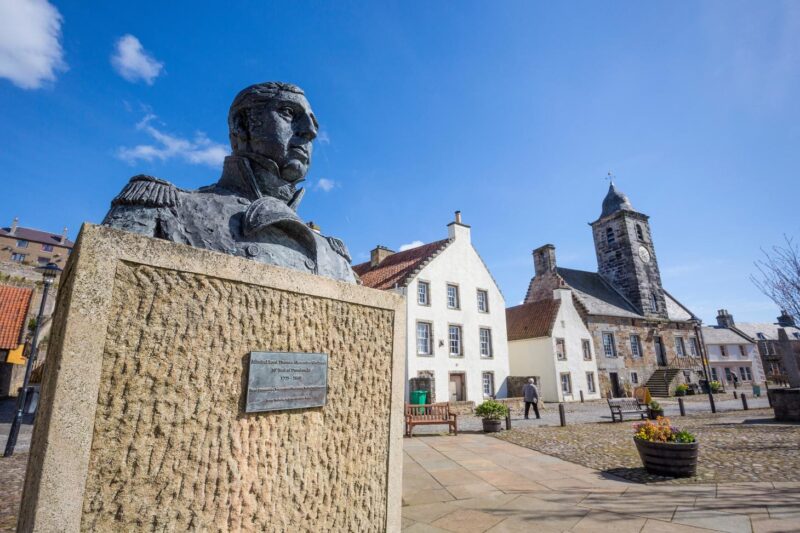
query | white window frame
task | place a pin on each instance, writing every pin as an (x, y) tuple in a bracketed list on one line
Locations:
[(693, 351), (18, 258), (613, 345), (714, 376), (429, 351), (636, 346), (424, 293), (743, 350), (680, 347), (488, 353), (22, 243), (590, 383), (489, 382), (745, 373), (483, 303), (568, 391), (47, 247), (563, 355), (728, 374), (459, 341), (586, 343), (456, 297), (634, 376), (722, 351)]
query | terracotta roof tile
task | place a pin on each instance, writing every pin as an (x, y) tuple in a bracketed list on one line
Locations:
[(395, 269), (14, 302), (531, 320)]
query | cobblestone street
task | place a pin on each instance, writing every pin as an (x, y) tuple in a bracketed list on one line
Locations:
[(734, 447), (597, 411)]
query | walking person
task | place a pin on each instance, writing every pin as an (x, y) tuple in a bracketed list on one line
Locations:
[(531, 396)]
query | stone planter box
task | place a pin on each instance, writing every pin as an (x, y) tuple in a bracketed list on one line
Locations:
[(668, 458), (492, 426)]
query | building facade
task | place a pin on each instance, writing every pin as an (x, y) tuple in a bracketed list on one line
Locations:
[(455, 315), (774, 342), (15, 306), (642, 335), (32, 247), (548, 341), (732, 355)]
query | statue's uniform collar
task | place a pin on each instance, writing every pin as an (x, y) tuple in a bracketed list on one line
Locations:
[(254, 176)]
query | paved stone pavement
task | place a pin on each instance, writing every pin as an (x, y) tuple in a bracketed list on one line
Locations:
[(476, 483), (597, 411)]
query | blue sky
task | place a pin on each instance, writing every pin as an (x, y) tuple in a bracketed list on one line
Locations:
[(512, 112)]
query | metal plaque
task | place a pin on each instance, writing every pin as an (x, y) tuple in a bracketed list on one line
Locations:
[(286, 380)]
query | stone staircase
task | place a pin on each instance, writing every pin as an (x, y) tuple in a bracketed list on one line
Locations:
[(659, 382)]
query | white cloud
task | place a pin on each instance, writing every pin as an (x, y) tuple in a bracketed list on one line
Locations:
[(412, 244), (133, 63), (325, 184), (30, 47), (323, 137), (198, 151)]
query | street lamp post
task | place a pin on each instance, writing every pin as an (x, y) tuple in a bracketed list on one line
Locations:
[(706, 365), (49, 274)]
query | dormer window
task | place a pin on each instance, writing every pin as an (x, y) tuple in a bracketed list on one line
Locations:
[(610, 236), (639, 233)]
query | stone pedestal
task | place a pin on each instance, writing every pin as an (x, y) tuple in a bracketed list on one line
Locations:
[(786, 404), (142, 423)]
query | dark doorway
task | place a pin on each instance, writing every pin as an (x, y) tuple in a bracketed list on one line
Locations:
[(616, 390), (661, 354)]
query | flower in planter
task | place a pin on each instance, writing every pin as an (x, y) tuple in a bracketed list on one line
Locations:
[(661, 431), (716, 386)]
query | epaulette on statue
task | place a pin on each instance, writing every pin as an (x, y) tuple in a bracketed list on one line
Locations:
[(148, 191), (339, 247)]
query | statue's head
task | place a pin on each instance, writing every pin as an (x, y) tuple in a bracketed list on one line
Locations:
[(274, 120)]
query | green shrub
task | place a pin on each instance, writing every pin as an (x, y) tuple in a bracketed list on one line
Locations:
[(492, 410), (716, 386), (655, 406), (681, 389)]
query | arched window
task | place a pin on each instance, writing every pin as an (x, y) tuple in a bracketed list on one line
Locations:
[(639, 233), (610, 235), (654, 301)]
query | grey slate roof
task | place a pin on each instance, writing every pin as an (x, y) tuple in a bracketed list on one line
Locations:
[(770, 331), (615, 201), (719, 335), (596, 294)]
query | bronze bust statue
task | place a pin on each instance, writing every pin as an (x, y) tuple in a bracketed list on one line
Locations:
[(251, 210)]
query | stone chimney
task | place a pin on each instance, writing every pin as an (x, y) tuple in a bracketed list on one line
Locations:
[(786, 320), (64, 235), (725, 319), (544, 259), (378, 254), (14, 224), (457, 229)]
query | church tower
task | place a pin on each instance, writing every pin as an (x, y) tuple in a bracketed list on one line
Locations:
[(626, 257)]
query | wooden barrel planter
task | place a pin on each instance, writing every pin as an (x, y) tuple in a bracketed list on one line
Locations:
[(668, 458), (492, 426)]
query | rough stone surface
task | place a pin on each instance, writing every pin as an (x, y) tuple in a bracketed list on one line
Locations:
[(171, 446), (151, 434)]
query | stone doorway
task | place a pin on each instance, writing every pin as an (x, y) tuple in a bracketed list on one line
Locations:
[(616, 388), (661, 354), (457, 388)]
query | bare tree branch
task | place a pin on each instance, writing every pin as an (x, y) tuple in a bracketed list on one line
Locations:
[(778, 276)]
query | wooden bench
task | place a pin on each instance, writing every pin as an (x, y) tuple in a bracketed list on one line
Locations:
[(430, 414), (626, 406)]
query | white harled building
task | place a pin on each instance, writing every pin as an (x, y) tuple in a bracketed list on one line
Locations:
[(456, 315)]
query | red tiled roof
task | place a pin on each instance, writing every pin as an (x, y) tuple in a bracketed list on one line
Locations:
[(35, 235), (14, 302), (395, 269), (529, 321)]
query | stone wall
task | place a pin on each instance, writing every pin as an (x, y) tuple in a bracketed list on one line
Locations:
[(170, 447)]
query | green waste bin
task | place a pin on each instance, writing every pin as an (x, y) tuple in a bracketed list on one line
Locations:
[(757, 391), (418, 397)]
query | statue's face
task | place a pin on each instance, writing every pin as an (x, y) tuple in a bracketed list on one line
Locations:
[(282, 129)]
